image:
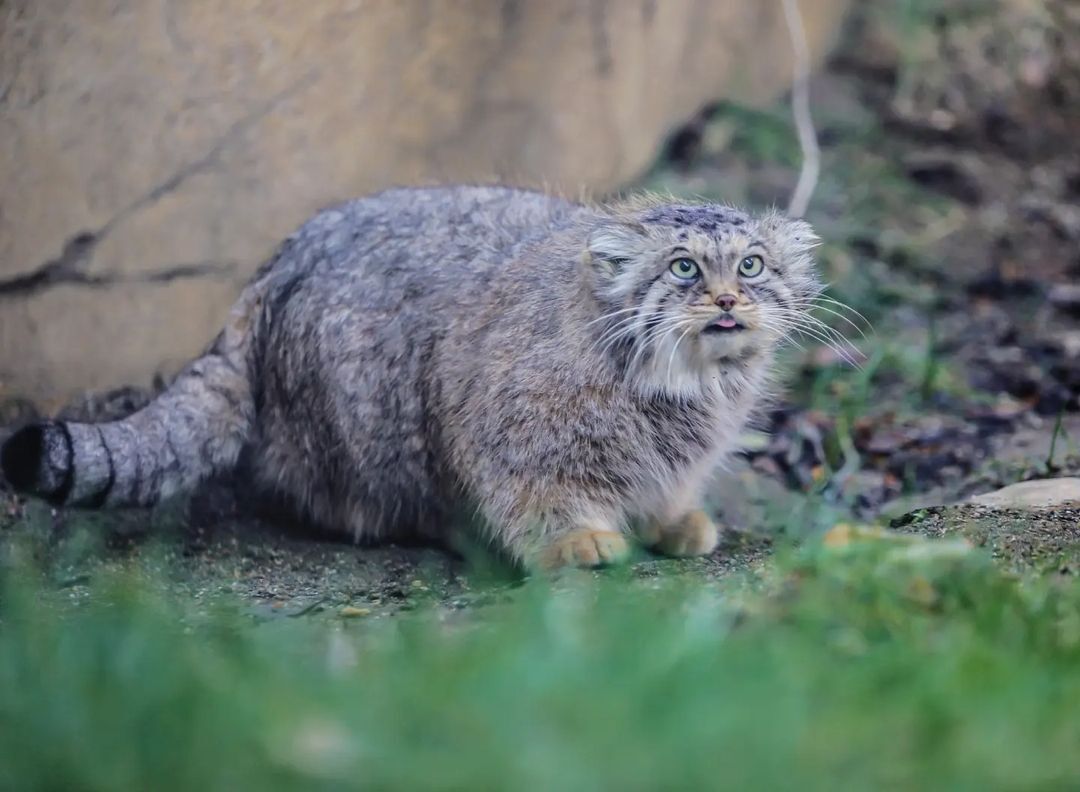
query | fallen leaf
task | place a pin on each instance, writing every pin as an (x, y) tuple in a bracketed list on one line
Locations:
[(352, 612)]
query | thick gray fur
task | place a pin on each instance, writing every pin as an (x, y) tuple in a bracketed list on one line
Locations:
[(418, 350)]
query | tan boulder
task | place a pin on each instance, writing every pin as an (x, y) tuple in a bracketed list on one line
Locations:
[(151, 154), (1038, 494)]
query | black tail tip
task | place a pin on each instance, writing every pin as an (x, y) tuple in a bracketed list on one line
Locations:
[(21, 456)]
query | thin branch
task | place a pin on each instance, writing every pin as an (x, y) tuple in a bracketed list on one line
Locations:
[(800, 109)]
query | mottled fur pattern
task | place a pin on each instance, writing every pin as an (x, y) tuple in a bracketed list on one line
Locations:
[(536, 359)]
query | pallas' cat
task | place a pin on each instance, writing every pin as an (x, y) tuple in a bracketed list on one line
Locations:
[(572, 373)]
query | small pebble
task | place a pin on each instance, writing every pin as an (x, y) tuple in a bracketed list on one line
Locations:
[(352, 612)]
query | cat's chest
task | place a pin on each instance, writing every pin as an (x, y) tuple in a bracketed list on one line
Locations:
[(685, 434), (681, 446)]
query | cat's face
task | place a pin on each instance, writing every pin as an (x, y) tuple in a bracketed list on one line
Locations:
[(686, 288)]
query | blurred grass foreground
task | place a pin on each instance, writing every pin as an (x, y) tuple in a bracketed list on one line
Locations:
[(863, 660)]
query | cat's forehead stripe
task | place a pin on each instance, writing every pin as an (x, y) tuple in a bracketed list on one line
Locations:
[(708, 219)]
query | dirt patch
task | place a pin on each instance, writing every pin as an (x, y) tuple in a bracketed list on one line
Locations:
[(202, 551), (1044, 541)]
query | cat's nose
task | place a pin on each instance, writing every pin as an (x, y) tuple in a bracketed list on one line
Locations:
[(726, 301)]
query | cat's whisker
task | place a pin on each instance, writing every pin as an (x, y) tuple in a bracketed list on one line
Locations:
[(611, 314), (840, 304), (822, 333), (813, 321), (843, 353), (625, 329), (783, 333), (788, 339), (649, 338), (646, 341), (691, 324), (826, 309), (670, 328), (613, 334)]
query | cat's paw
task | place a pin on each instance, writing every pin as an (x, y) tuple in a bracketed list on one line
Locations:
[(694, 535), (584, 548)]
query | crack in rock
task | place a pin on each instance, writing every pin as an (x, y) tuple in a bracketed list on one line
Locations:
[(64, 270), (64, 267), (79, 249)]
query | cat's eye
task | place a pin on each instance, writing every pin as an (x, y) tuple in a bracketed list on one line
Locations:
[(685, 269), (751, 266)]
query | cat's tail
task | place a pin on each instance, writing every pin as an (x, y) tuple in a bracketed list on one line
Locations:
[(194, 429)]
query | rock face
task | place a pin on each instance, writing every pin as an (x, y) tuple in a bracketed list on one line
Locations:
[(1038, 494), (151, 154)]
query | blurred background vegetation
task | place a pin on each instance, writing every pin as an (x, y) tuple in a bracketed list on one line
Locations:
[(852, 630)]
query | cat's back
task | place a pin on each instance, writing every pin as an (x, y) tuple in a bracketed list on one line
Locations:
[(431, 232), (376, 278)]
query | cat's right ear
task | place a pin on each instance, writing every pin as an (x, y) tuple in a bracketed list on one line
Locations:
[(612, 244)]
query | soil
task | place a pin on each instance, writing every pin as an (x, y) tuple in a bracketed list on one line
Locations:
[(1022, 540)]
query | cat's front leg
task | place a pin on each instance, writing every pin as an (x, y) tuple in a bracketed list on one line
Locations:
[(693, 534), (581, 542), (546, 525)]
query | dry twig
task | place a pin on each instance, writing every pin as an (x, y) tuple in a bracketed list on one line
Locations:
[(800, 108)]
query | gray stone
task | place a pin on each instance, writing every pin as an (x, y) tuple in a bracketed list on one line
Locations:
[(1039, 494)]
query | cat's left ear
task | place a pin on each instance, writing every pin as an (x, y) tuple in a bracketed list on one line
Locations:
[(612, 244), (796, 237), (793, 242), (801, 235)]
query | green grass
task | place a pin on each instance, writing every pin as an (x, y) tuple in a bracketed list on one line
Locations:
[(880, 662)]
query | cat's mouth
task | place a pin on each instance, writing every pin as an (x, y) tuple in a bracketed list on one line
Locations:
[(725, 324)]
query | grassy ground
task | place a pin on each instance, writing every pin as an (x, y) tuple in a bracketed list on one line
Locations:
[(862, 661)]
